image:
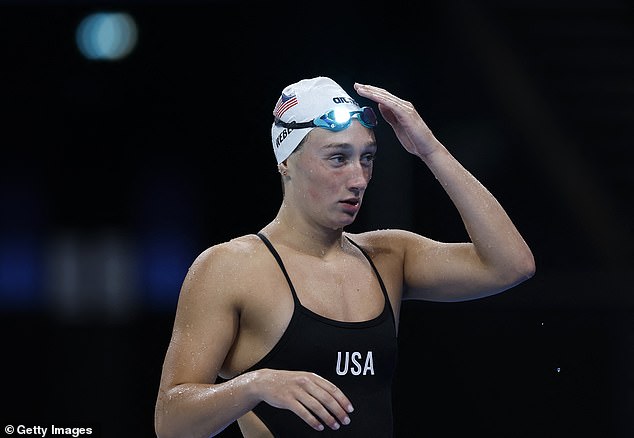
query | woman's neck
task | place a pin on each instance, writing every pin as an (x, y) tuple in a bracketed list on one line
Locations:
[(303, 236)]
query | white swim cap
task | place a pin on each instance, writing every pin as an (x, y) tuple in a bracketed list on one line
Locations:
[(301, 102)]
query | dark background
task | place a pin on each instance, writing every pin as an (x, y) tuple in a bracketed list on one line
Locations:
[(114, 176)]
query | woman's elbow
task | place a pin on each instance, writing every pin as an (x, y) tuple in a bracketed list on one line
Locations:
[(159, 425), (524, 267), (162, 424)]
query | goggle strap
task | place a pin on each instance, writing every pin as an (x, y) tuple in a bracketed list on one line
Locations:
[(294, 125)]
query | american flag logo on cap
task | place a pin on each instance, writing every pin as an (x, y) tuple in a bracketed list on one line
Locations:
[(284, 103)]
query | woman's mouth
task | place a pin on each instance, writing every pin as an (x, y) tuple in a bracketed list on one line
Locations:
[(351, 205), (352, 201)]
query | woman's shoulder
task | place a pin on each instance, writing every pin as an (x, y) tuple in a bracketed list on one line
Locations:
[(381, 240), (240, 252)]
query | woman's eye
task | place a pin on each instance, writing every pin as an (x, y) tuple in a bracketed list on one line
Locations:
[(368, 159)]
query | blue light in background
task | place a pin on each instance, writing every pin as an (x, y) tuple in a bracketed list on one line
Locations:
[(165, 260), (105, 276), (20, 273), (106, 36)]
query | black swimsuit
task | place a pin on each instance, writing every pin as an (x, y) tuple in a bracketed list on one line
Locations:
[(358, 357)]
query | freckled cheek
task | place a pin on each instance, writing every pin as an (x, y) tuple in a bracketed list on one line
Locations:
[(314, 194), (321, 187)]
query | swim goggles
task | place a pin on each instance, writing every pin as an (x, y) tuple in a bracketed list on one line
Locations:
[(337, 119)]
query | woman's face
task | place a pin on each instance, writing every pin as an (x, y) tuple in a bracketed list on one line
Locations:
[(329, 174)]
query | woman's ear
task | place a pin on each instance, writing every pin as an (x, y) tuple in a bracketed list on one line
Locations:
[(283, 168)]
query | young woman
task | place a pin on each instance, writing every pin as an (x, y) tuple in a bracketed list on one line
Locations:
[(300, 319)]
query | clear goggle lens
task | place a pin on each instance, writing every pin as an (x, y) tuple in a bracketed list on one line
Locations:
[(337, 119)]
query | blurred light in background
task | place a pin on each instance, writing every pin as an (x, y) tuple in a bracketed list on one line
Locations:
[(106, 36), (20, 272), (165, 258), (91, 276)]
